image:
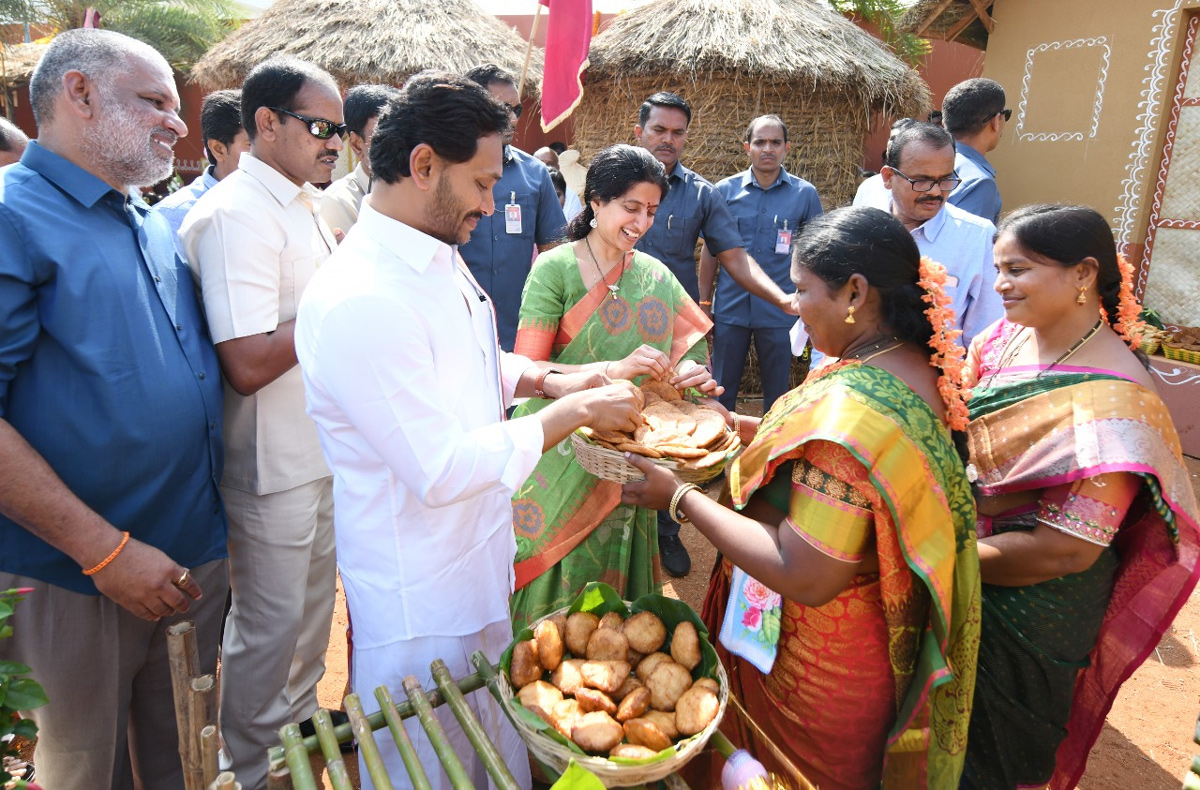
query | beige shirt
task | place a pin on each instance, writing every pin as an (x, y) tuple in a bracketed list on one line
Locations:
[(254, 241), (341, 201)]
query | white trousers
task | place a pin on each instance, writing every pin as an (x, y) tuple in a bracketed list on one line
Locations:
[(389, 665), (282, 573)]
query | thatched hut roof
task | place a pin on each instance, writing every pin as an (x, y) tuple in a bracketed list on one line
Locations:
[(795, 41), (369, 41), (949, 20), (18, 62)]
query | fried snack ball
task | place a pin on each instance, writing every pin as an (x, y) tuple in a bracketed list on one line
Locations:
[(607, 676), (540, 697), (685, 645), (695, 709), (549, 644), (560, 620), (612, 620), (709, 684), (667, 684), (565, 715), (597, 732), (567, 678), (635, 704), (644, 732), (634, 657), (606, 644), (631, 751), (645, 632), (525, 667), (665, 722), (648, 664), (630, 685), (590, 700), (579, 629)]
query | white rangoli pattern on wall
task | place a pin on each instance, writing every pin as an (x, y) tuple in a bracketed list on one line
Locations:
[(1100, 42)]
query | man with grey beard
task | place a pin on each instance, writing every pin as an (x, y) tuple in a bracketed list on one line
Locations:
[(110, 420)]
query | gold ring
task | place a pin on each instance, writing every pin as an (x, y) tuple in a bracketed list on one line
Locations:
[(183, 579)]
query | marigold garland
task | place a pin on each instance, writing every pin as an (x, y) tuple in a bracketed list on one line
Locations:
[(948, 354), (1129, 324)]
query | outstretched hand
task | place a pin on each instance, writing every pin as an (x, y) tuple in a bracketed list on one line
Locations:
[(644, 361), (653, 493), (698, 376), (614, 407)]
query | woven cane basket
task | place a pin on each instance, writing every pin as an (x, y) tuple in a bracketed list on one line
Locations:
[(1181, 354), (619, 772), (608, 464)]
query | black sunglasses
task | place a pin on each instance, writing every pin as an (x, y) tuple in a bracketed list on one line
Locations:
[(515, 109), (317, 127), (1007, 113)]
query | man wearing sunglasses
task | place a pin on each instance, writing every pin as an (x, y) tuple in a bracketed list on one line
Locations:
[(528, 218), (919, 171), (254, 241), (974, 114)]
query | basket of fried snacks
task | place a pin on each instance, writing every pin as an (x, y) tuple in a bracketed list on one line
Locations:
[(629, 691), (1183, 345), (690, 439)]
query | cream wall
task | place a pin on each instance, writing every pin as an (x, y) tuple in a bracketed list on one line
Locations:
[(1090, 83)]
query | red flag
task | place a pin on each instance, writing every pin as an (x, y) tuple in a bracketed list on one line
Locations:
[(568, 36), (91, 18)]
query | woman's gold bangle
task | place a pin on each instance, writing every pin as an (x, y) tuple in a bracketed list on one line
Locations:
[(680, 493), (737, 423)]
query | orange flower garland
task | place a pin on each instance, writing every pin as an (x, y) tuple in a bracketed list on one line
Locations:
[(947, 355), (1129, 326)]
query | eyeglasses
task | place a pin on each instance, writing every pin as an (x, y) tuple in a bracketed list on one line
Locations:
[(317, 127), (925, 184), (1007, 113), (515, 109)]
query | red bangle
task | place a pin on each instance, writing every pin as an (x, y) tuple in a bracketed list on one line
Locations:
[(539, 384)]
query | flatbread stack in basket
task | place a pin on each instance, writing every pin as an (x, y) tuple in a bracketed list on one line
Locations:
[(689, 438)]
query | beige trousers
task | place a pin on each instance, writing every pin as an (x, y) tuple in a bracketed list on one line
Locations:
[(282, 571), (111, 718)]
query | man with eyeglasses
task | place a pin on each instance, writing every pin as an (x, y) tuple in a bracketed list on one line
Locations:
[(919, 171), (974, 114), (254, 241), (528, 218)]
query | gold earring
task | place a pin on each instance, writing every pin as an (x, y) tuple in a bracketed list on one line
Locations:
[(850, 314), (1082, 298)]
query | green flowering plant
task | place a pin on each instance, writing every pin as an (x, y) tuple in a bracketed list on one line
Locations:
[(18, 692)]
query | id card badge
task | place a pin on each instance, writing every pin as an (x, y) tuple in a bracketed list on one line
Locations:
[(783, 240), (512, 216)]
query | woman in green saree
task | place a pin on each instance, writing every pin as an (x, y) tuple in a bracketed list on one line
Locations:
[(596, 302), (1087, 522)]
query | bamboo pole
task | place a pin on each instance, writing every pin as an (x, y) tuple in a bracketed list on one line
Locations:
[(366, 744), (275, 755), (296, 756), (408, 754), (488, 677), (529, 52), (334, 764), (225, 781), (183, 658), (437, 736), (486, 750), (210, 745)]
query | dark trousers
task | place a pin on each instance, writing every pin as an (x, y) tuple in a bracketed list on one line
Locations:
[(731, 344)]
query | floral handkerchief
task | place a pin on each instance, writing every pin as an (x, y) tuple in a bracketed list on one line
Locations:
[(751, 627)]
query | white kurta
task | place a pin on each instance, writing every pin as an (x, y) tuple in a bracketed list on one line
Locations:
[(408, 387)]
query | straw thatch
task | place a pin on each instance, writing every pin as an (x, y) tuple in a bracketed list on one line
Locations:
[(734, 60), (950, 15), (357, 41), (737, 59), (17, 62)]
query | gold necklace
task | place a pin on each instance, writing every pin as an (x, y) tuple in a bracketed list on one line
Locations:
[(612, 289)]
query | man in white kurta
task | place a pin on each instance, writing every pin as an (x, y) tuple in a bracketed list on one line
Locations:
[(408, 386)]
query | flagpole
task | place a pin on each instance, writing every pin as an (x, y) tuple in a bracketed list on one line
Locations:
[(529, 51)]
